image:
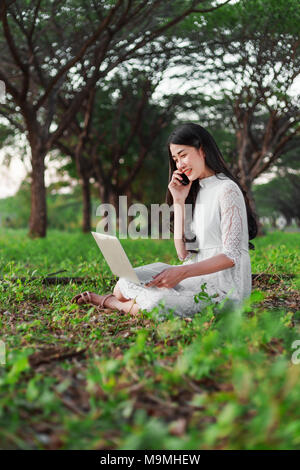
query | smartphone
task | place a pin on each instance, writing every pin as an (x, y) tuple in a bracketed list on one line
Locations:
[(185, 181)]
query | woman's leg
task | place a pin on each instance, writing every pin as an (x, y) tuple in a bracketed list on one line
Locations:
[(112, 302), (129, 306), (117, 293)]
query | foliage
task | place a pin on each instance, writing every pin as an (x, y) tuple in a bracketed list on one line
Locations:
[(250, 62), (78, 378), (63, 209), (278, 197), (55, 54)]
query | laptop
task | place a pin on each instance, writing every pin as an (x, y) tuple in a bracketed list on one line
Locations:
[(119, 263)]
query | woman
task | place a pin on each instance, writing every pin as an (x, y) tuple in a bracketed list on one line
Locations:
[(222, 222)]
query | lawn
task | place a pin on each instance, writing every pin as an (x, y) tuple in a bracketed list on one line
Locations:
[(79, 378)]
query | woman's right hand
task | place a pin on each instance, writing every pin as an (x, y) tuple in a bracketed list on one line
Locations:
[(178, 190)]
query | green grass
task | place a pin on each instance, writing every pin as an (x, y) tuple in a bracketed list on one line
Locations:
[(76, 252), (76, 378)]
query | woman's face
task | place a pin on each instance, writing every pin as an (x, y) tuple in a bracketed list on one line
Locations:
[(190, 161)]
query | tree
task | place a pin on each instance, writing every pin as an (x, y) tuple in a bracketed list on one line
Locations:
[(250, 51), (51, 47), (125, 133), (279, 196)]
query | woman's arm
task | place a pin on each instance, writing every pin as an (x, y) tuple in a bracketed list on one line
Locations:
[(179, 217), (232, 227), (179, 193), (207, 266), (231, 206), (170, 277)]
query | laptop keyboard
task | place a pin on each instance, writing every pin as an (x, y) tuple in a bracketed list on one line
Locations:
[(179, 288)]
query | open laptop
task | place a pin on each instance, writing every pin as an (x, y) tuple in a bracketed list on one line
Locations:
[(119, 263)]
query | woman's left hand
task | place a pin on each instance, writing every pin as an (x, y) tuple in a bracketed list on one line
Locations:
[(169, 278)]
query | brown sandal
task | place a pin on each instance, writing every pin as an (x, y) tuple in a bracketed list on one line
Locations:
[(100, 305), (104, 297), (81, 296)]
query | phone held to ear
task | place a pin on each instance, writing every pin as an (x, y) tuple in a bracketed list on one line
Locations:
[(185, 181)]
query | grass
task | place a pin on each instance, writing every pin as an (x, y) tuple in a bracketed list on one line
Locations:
[(77, 378)]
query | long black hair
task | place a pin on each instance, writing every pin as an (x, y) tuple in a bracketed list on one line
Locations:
[(196, 136)]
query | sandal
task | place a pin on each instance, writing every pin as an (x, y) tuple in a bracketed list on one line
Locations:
[(104, 297), (100, 305), (81, 296)]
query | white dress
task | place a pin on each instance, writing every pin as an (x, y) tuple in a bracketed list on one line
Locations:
[(220, 225)]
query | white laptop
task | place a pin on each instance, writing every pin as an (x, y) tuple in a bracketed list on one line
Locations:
[(119, 263)]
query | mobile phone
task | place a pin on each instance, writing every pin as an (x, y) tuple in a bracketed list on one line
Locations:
[(185, 181)]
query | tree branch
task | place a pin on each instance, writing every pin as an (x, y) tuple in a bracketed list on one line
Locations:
[(10, 41), (83, 49)]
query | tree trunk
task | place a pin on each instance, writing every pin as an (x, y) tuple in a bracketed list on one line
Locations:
[(38, 214), (244, 159), (246, 185), (260, 230), (107, 196), (104, 193), (129, 195), (86, 199), (114, 201), (274, 221)]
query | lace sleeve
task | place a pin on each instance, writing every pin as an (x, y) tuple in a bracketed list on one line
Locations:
[(231, 205)]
